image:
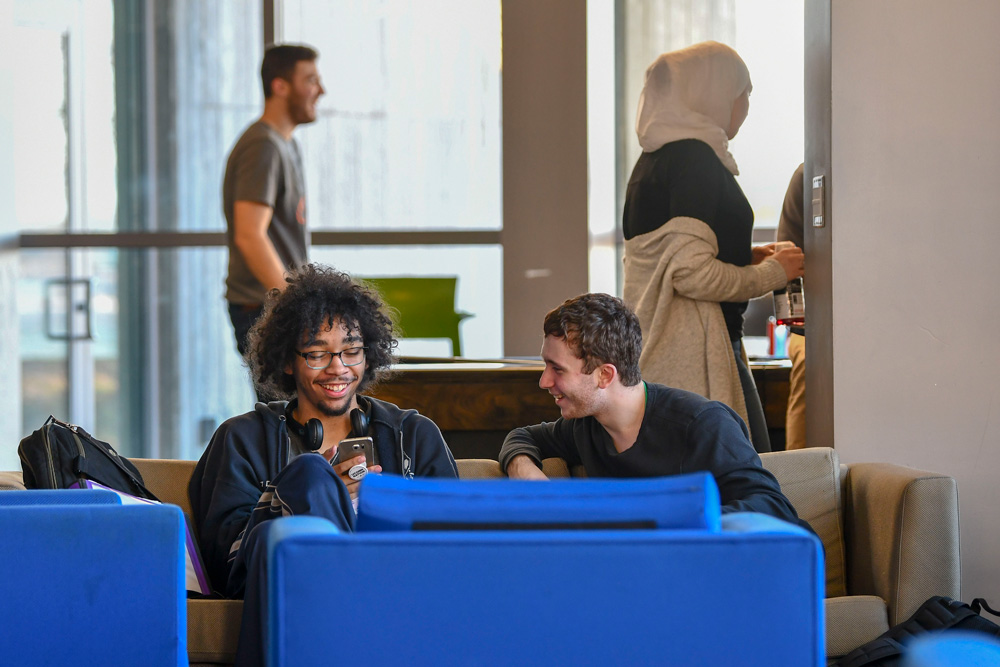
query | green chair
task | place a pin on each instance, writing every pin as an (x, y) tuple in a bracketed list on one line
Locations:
[(426, 306)]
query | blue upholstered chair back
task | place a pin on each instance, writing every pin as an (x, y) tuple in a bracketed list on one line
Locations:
[(747, 592), (91, 582), (389, 502)]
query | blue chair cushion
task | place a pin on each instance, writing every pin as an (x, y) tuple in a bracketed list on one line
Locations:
[(391, 503)]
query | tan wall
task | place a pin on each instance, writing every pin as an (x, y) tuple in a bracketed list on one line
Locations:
[(915, 144)]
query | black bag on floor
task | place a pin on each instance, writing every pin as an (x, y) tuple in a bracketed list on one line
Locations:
[(59, 455), (938, 613)]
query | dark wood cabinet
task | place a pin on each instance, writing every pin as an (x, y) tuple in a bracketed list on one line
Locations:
[(475, 404)]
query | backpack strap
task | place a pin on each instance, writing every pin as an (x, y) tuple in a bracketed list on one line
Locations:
[(979, 604)]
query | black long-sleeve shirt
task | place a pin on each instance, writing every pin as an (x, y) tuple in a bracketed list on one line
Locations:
[(681, 432)]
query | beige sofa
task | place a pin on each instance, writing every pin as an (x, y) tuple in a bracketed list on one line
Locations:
[(890, 534)]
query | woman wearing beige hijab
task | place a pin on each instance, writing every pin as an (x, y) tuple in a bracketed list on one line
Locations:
[(689, 265)]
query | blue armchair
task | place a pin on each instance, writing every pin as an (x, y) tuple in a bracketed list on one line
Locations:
[(88, 581), (745, 590)]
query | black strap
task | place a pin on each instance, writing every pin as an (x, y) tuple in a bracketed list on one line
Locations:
[(979, 604)]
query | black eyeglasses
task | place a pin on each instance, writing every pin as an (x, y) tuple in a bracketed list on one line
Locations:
[(317, 360)]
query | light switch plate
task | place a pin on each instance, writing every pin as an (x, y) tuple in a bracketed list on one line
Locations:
[(819, 201)]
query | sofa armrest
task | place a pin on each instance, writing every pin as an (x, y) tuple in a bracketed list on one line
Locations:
[(902, 536)]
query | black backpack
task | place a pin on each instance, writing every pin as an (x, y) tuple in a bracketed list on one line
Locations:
[(937, 613), (59, 455)]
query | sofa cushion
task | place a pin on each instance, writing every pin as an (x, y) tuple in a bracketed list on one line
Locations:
[(167, 479), (810, 479), (852, 621)]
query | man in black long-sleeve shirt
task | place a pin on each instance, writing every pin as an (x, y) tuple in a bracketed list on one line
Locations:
[(616, 425)]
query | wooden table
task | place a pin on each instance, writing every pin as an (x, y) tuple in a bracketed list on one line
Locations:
[(476, 403)]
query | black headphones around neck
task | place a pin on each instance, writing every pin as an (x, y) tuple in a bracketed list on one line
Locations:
[(311, 433), (359, 423)]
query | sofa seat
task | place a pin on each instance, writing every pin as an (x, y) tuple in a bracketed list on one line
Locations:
[(853, 620), (213, 631)]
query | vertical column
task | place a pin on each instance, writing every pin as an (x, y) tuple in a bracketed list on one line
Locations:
[(818, 240), (544, 163)]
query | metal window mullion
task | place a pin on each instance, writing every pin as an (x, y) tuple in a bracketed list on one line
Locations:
[(175, 239), (80, 359)]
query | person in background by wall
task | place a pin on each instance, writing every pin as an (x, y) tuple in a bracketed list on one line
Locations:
[(263, 190), (690, 267), (790, 229)]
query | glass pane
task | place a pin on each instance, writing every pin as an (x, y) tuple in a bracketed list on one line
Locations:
[(215, 92), (408, 134), (769, 38), (771, 143), (69, 341), (39, 131), (44, 364), (201, 89), (64, 143), (183, 372), (164, 368), (479, 291)]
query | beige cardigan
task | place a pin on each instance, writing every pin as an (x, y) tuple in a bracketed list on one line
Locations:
[(674, 283)]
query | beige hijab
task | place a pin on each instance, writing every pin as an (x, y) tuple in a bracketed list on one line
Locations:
[(689, 94)]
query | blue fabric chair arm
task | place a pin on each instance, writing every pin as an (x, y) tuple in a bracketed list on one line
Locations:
[(100, 584)]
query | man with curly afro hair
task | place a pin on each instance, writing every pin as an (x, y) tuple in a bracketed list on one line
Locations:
[(318, 344)]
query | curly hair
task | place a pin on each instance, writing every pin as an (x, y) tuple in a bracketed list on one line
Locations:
[(600, 329), (315, 296)]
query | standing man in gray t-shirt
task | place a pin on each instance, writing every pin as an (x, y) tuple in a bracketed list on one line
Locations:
[(263, 191), (790, 228)]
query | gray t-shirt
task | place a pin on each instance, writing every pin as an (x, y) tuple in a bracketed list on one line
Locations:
[(266, 168), (790, 223)]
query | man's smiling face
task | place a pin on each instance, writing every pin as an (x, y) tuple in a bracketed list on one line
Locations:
[(331, 391), (576, 392)]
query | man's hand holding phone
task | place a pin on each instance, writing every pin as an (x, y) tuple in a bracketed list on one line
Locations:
[(353, 456)]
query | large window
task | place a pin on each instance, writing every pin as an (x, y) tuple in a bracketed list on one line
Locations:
[(768, 35), (408, 135), (768, 148), (408, 139), (123, 124)]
